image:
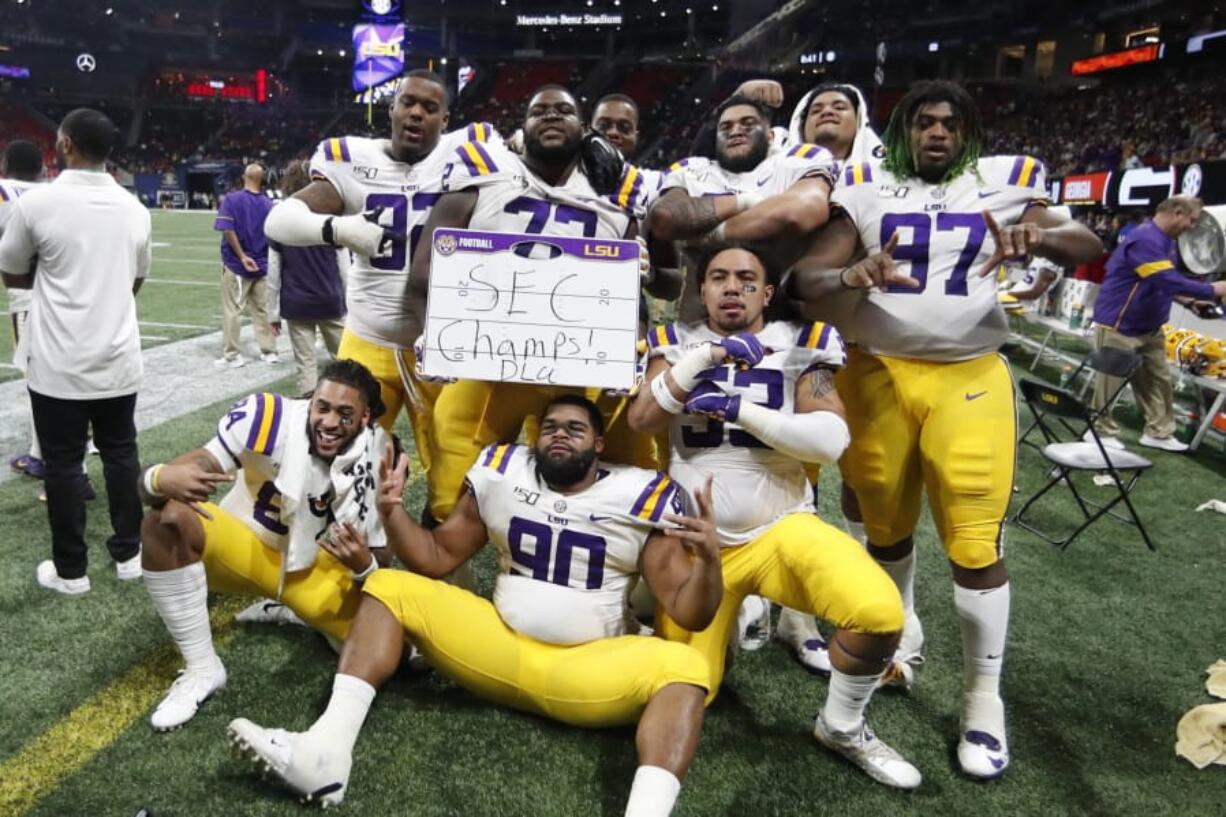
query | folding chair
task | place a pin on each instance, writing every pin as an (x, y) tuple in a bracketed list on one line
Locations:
[(1109, 361), (1079, 456)]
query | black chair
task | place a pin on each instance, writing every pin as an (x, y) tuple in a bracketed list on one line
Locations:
[(1074, 456), (1109, 361)]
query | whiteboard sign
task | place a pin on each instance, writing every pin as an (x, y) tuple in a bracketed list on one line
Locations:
[(519, 308)]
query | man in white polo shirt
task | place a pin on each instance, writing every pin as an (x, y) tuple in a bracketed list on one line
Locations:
[(90, 240)]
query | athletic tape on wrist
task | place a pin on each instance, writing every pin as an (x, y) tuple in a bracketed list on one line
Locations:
[(664, 396)]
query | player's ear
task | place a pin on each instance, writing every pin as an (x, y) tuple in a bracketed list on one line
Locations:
[(768, 293), (598, 444), (446, 118)]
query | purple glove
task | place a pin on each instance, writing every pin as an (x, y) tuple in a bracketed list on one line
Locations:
[(710, 399), (744, 348)]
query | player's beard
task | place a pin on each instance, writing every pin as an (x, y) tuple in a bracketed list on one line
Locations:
[(341, 449), (757, 152), (563, 152), (566, 471)]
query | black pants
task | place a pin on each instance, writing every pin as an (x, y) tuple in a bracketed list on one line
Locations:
[(63, 428)]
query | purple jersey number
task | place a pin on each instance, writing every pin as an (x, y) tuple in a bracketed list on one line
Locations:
[(533, 552), (743, 382), (266, 512), (917, 249), (562, 214)]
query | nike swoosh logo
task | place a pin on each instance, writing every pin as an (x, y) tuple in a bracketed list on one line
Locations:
[(595, 518), (984, 194), (976, 395)]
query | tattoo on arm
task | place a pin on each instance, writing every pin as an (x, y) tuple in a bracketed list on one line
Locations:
[(821, 383), (692, 215)]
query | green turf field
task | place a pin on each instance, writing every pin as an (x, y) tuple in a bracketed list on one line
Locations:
[(1108, 647)]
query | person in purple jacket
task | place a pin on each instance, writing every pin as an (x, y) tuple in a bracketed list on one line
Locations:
[(1134, 303), (306, 287), (244, 270)]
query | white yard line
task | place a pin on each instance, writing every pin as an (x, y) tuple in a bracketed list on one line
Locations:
[(181, 282), (165, 325)]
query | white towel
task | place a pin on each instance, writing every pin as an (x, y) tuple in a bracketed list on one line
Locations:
[(350, 484)]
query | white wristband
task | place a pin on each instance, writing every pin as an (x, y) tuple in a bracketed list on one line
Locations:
[(664, 395), (150, 478), (371, 568), (685, 372), (744, 201)]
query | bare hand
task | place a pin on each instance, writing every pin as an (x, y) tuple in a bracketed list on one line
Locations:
[(393, 471), (190, 484), (878, 270), (766, 91), (698, 534), (348, 545), (1012, 241), (249, 264)]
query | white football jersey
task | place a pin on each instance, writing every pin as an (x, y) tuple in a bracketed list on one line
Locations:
[(754, 485), (774, 175), (567, 562), (511, 199), (10, 191), (943, 243), (366, 176), (251, 440)]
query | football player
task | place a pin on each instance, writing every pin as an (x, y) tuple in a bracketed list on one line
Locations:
[(754, 401), (573, 534), (372, 196), (297, 466), (929, 400), (546, 191), (23, 166), (748, 193)]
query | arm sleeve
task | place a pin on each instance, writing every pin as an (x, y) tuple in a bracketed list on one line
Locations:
[(475, 164), (331, 163), (252, 424), (805, 161), (17, 246), (225, 216), (1177, 284)]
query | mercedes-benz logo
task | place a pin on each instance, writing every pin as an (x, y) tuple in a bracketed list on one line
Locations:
[(86, 62)]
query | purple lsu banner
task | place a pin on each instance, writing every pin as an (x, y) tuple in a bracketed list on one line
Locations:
[(378, 54)]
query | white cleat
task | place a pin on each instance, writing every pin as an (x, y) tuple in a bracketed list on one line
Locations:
[(911, 644), (983, 756), (864, 749), (801, 634), (185, 696), (268, 612), (129, 570), (301, 762), (754, 623), (899, 675)]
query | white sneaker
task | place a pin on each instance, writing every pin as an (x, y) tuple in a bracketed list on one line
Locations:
[(800, 632), (184, 697), (983, 756), (304, 764), (47, 576), (268, 612), (230, 362), (754, 623), (911, 643), (1164, 443), (866, 750), (129, 569), (1108, 442), (270, 358)]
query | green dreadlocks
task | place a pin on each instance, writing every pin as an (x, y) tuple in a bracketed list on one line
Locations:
[(898, 159)]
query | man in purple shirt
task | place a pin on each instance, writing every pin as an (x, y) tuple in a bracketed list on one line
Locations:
[(244, 259), (1134, 303)]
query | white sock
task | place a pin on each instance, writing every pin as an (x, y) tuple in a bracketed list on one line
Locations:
[(846, 699), (653, 793), (902, 571), (856, 529), (346, 712), (181, 598), (983, 617)]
